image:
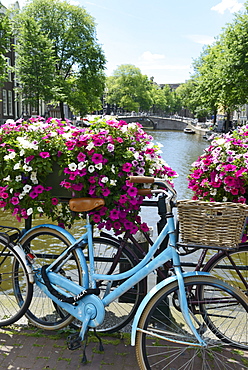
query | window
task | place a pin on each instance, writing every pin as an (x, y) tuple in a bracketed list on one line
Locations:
[(9, 70), (5, 112), (10, 103)]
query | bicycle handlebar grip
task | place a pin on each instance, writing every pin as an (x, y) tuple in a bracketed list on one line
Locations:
[(141, 179), (144, 192)]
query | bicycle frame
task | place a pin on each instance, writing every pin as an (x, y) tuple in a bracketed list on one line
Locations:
[(91, 308)]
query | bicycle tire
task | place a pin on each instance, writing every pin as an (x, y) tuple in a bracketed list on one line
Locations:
[(220, 266), (120, 312), (164, 340), (43, 242), (15, 289)]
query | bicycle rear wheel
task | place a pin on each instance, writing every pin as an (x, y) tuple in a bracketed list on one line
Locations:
[(164, 340), (231, 266), (47, 244), (15, 289)]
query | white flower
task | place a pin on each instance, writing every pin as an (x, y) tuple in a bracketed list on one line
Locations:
[(25, 144), (90, 146), (17, 166), (29, 211), (104, 179), (18, 178), (220, 141), (91, 168), (7, 178), (33, 176), (22, 152), (21, 196), (113, 182), (98, 166), (113, 168), (11, 190), (9, 156), (81, 165), (27, 168), (72, 166), (27, 188), (39, 209)]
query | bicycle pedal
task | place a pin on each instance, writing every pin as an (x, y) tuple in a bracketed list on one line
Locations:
[(73, 341)]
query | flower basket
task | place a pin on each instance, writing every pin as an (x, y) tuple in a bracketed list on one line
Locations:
[(214, 224), (44, 161), (54, 180)]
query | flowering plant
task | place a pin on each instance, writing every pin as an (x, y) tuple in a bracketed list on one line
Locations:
[(221, 173), (95, 161)]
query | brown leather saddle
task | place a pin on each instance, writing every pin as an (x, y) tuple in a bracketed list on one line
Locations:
[(85, 204)]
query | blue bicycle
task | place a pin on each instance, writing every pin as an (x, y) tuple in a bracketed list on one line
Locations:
[(187, 321)]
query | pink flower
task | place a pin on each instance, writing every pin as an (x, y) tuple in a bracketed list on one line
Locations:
[(127, 167), (29, 159), (96, 218), (14, 200), (81, 157), (132, 192), (55, 201), (114, 214), (105, 192), (97, 158), (44, 155)]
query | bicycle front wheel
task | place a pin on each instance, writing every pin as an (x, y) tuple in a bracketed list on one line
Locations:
[(47, 244), (164, 340), (15, 289)]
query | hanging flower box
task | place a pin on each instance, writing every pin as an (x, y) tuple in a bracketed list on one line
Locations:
[(41, 161)]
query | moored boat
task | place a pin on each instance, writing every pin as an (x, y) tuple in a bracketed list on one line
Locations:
[(189, 130)]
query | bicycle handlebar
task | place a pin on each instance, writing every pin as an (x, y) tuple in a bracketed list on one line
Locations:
[(152, 180)]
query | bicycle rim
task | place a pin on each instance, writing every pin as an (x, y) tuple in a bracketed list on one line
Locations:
[(164, 340), (221, 267), (15, 289), (46, 244)]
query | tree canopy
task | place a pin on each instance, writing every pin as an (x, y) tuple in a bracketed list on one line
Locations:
[(65, 35), (5, 34), (219, 81), (129, 89)]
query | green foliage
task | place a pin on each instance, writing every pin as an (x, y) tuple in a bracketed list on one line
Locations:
[(68, 36), (220, 73), (35, 65), (129, 89), (5, 35)]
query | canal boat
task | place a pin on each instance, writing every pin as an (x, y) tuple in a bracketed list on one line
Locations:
[(189, 130)]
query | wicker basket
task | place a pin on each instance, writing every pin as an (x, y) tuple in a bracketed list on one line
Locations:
[(213, 224)]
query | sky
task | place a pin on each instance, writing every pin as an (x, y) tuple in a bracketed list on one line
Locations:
[(160, 37)]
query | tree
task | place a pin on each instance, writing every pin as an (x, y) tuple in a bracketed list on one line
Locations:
[(77, 55), (129, 89), (5, 34), (35, 64)]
